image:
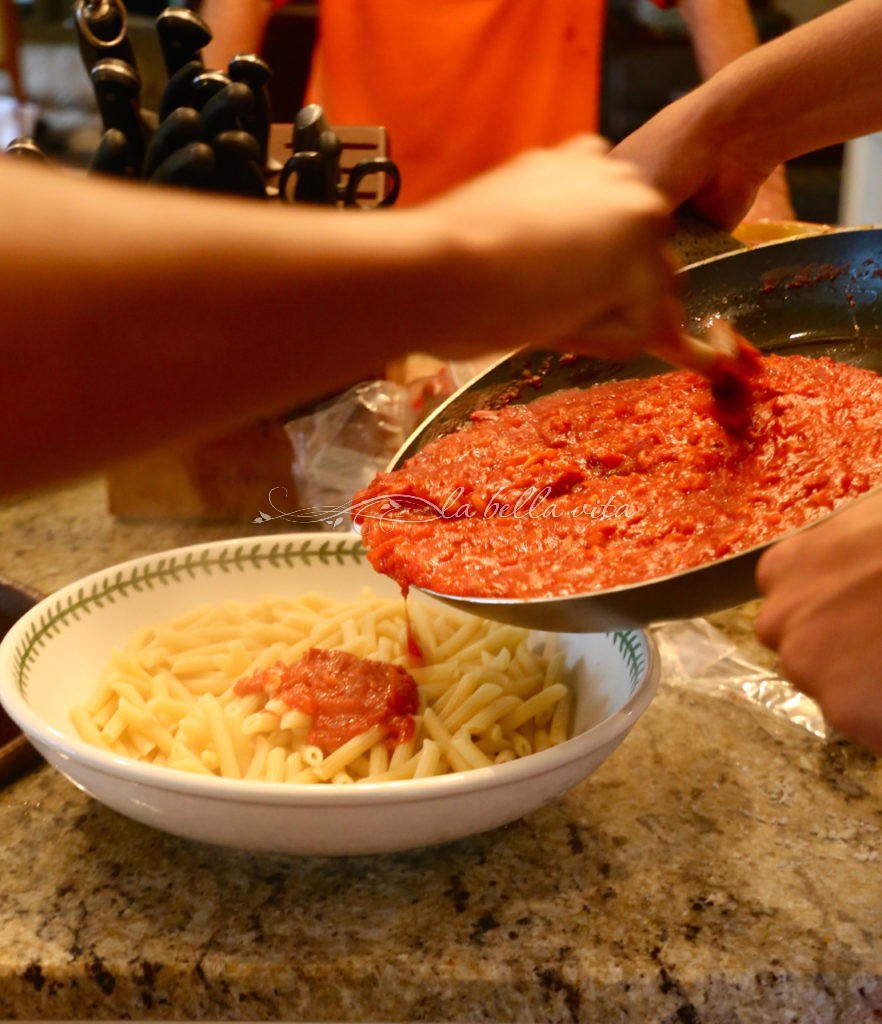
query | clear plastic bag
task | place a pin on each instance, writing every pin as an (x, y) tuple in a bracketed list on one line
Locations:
[(697, 654), (340, 446)]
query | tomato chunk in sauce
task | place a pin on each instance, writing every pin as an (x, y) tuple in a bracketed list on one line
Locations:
[(623, 482), (345, 695)]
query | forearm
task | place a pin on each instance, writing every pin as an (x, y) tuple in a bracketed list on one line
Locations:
[(721, 31), (145, 339), (134, 314), (812, 87), (237, 26)]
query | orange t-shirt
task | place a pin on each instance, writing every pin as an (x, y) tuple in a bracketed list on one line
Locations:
[(460, 85)]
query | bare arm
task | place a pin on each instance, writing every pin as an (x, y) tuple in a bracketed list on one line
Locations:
[(167, 313), (812, 87), (237, 26), (723, 31)]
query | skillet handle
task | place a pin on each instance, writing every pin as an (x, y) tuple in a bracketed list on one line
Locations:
[(695, 240)]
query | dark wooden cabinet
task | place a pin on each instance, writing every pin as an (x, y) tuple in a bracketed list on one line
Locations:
[(648, 60), (287, 49)]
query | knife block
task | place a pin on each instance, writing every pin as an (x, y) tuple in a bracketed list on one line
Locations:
[(227, 478), (220, 479)]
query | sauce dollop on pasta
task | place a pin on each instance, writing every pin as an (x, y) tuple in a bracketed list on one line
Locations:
[(344, 694)]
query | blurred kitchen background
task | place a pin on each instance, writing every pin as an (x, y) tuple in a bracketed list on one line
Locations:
[(648, 63), (230, 477)]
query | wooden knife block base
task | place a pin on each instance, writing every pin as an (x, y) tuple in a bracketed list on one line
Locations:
[(222, 479)]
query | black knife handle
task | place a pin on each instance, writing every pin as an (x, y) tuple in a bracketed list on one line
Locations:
[(191, 166), (182, 35), (206, 84), (182, 126), (255, 73), (102, 32), (117, 87), (228, 110), (309, 124), (113, 156), (178, 91), (237, 165)]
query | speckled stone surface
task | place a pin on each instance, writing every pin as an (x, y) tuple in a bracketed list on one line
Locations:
[(723, 866)]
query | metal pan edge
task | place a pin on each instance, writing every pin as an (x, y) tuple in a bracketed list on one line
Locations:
[(818, 294)]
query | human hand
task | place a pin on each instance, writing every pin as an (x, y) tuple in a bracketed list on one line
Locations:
[(577, 244), (823, 606), (682, 157)]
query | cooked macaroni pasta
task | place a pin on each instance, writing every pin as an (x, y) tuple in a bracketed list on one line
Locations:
[(486, 694)]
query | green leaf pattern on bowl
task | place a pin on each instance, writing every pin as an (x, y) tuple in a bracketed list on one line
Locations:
[(166, 572), (630, 644), (173, 569)]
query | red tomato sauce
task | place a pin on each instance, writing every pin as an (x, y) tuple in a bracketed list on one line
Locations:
[(345, 695), (625, 481)]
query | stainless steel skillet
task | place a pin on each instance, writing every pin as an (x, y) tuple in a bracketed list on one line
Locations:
[(814, 295)]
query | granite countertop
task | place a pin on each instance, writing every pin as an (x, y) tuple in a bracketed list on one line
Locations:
[(722, 866)]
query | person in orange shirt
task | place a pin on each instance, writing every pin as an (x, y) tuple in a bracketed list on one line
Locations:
[(463, 86)]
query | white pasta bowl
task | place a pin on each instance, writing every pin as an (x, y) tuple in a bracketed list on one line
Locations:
[(51, 658)]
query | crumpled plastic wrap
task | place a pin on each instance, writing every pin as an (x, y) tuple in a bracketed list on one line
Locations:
[(697, 654), (340, 446)]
